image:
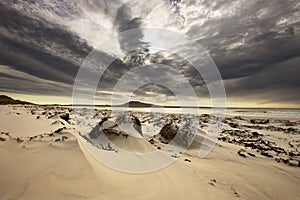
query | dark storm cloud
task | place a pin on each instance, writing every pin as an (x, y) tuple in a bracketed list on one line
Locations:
[(152, 90), (12, 80), (278, 83), (120, 14), (124, 22), (253, 47), (39, 48), (245, 61), (255, 44), (31, 60), (255, 26), (107, 6), (48, 54)]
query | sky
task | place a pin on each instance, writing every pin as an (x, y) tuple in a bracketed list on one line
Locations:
[(254, 44)]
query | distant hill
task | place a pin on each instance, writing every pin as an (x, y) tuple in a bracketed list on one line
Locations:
[(137, 104), (8, 100)]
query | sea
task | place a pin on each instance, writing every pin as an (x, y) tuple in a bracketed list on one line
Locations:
[(259, 112)]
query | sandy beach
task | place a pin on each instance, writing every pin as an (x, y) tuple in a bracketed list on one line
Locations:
[(149, 100), (42, 158)]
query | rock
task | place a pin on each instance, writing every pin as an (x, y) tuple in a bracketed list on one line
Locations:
[(32, 137), (212, 182), (278, 149), (242, 153), (65, 116), (238, 118), (174, 156), (57, 140), (113, 131), (5, 133), (273, 128), (258, 121), (264, 153), (103, 120), (64, 138), (252, 145), (251, 154), (151, 141), (109, 148), (100, 129), (233, 125), (2, 139), (256, 134), (291, 130), (58, 130), (187, 160), (223, 138), (294, 163), (263, 147), (235, 192), (19, 140), (137, 124), (96, 132), (294, 153), (205, 115), (285, 160), (131, 120), (289, 123), (169, 131)]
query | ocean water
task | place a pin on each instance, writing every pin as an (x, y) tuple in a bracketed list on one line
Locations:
[(259, 112), (270, 112)]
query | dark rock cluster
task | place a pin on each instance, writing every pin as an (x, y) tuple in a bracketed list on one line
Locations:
[(259, 144)]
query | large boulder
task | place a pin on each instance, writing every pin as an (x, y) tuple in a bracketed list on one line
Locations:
[(177, 134)]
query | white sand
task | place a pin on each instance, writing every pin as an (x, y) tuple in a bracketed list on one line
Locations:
[(20, 121), (44, 169)]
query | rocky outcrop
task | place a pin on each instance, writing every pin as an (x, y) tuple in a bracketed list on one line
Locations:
[(257, 142), (181, 134)]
